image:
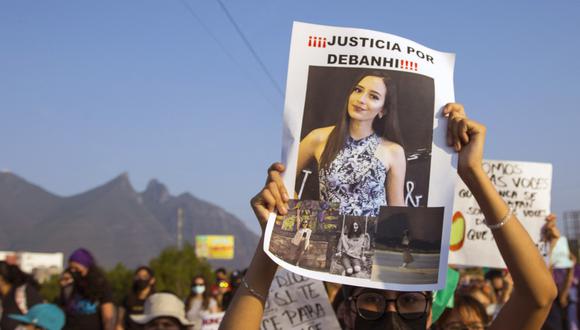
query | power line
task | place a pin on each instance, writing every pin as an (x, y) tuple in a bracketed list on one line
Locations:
[(220, 44), (249, 45)]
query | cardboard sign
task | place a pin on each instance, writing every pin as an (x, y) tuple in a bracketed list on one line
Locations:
[(524, 186), (297, 302)]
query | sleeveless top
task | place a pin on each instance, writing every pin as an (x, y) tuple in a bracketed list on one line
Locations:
[(355, 178)]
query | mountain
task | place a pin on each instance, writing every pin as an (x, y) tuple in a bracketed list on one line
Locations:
[(113, 220), (200, 218), (22, 206)]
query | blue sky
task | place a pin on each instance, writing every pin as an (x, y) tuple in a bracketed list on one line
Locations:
[(91, 89)]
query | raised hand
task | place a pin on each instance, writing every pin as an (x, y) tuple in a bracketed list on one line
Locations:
[(273, 196)]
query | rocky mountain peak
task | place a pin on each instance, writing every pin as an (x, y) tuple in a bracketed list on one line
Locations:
[(156, 192)]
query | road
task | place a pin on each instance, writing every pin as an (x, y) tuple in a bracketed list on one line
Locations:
[(386, 268)]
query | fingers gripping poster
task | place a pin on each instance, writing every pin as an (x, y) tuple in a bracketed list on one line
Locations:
[(525, 187), (366, 160)]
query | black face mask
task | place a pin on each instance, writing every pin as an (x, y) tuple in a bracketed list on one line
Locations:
[(76, 275), (140, 284), (391, 321)]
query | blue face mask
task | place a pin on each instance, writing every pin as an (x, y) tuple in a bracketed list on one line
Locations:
[(198, 289)]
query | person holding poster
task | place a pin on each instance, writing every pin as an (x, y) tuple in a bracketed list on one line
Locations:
[(368, 131), (534, 289)]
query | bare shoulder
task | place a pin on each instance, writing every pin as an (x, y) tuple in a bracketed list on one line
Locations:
[(391, 149), (319, 135)]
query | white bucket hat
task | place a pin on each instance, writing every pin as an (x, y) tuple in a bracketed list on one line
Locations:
[(162, 305)]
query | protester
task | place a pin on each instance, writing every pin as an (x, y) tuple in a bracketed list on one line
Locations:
[(133, 304), (533, 292), (235, 281), (66, 283), (90, 306), (561, 267), (221, 286), (467, 313), (199, 301), (573, 295), (473, 284), (18, 292), (40, 317), (163, 311), (501, 285), (221, 275)]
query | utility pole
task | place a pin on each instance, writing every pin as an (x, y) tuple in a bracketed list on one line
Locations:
[(180, 228)]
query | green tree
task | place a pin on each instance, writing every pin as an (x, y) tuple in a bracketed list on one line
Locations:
[(50, 290), (120, 279), (174, 270)]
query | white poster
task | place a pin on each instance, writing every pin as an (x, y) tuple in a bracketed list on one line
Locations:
[(296, 302), (524, 186), (366, 160)]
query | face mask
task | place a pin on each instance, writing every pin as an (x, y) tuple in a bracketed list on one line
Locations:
[(140, 285), (76, 275), (198, 289), (391, 321)]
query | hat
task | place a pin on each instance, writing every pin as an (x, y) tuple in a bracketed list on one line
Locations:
[(83, 257), (162, 305), (47, 316)]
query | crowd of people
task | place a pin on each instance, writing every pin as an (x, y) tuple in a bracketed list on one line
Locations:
[(522, 299), (86, 300), (531, 295)]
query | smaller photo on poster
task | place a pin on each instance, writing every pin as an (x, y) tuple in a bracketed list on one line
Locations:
[(352, 256), (305, 236), (407, 245)]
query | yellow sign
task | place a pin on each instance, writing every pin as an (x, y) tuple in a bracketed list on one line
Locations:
[(214, 246)]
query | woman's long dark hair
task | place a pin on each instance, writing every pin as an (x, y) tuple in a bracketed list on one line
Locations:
[(92, 286), (386, 127), (205, 294), (351, 232)]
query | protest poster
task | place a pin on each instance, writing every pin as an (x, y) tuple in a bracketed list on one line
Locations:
[(214, 246), (524, 186), (363, 133), (297, 302), (211, 321)]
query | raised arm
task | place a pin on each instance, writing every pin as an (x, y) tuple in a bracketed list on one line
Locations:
[(534, 289), (247, 307)]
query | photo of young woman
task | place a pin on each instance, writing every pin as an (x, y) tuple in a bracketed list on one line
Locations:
[(301, 240), (361, 160), (354, 249), (365, 139), (351, 248)]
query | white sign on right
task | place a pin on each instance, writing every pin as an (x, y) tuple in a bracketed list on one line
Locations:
[(524, 186)]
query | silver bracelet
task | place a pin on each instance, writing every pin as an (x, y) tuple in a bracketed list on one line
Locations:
[(252, 291), (502, 222)]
